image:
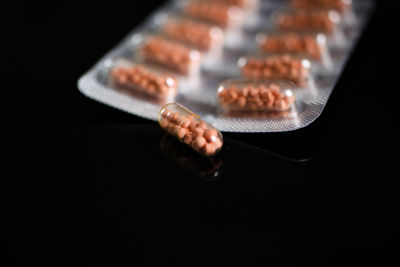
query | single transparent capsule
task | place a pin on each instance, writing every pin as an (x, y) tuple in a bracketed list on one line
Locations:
[(344, 7), (202, 36), (190, 129), (144, 79), (216, 12), (338, 5), (313, 45), (170, 54), (256, 95), (246, 4), (324, 21), (277, 66)]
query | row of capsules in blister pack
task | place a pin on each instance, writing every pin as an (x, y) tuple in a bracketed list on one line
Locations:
[(289, 51), (316, 16), (178, 46), (199, 28), (298, 43)]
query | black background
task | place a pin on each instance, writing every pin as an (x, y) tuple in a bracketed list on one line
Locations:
[(85, 184)]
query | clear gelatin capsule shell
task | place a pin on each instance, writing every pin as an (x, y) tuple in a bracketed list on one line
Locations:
[(166, 53), (189, 128), (245, 4), (257, 95), (307, 20), (202, 36), (143, 79), (220, 13), (277, 66), (312, 45), (338, 5)]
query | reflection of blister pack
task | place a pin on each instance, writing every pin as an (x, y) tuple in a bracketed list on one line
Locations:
[(226, 60)]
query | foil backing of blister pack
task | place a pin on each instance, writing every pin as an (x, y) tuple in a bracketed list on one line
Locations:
[(199, 94)]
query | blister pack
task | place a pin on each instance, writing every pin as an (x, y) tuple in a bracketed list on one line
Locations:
[(241, 65)]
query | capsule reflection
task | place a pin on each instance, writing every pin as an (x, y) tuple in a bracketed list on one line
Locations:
[(206, 168)]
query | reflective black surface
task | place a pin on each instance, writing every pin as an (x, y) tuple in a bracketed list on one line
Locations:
[(85, 184)]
